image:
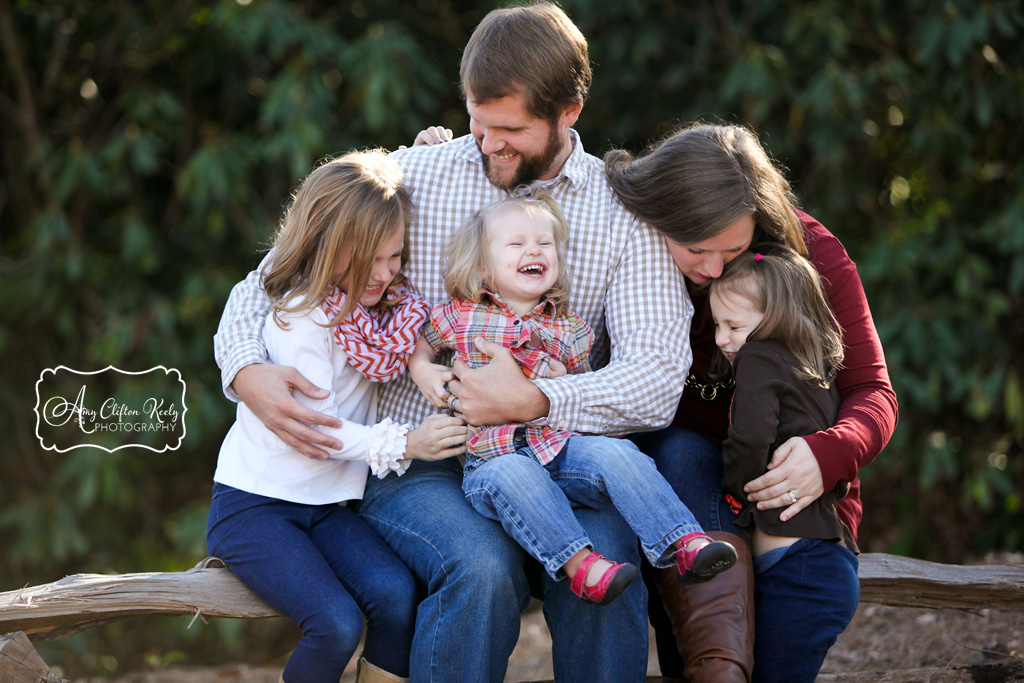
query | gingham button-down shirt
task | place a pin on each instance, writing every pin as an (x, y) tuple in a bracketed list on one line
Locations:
[(537, 338), (625, 287)]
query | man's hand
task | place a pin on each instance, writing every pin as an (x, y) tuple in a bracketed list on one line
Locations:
[(793, 468), (438, 437), (498, 393), (267, 391)]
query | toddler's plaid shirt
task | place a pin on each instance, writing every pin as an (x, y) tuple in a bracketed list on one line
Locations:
[(535, 339)]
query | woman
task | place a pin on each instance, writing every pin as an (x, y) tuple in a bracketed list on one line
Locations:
[(712, 191)]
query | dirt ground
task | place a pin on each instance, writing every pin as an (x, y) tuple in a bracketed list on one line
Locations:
[(879, 639)]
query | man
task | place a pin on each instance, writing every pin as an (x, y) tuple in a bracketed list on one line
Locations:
[(525, 76)]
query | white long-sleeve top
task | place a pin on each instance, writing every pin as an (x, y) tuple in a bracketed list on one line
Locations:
[(254, 459)]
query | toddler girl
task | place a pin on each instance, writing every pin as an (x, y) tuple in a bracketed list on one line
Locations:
[(344, 318), (509, 284), (774, 327)]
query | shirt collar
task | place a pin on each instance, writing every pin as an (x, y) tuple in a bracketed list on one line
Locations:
[(544, 308), (574, 169)]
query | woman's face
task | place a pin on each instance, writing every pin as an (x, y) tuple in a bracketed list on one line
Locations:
[(703, 261)]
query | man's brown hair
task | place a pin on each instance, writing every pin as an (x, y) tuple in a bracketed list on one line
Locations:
[(534, 50)]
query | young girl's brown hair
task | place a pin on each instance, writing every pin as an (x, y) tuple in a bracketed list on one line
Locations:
[(350, 206), (785, 287), (468, 272)]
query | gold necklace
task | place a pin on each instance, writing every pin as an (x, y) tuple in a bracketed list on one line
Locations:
[(709, 390)]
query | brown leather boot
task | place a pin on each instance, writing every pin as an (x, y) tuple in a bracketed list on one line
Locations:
[(713, 622)]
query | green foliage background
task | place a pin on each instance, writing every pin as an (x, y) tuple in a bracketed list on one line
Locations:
[(148, 148)]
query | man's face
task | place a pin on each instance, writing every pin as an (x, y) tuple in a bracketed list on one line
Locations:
[(518, 148)]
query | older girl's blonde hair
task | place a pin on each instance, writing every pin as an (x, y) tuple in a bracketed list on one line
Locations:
[(786, 288), (468, 272), (347, 207)]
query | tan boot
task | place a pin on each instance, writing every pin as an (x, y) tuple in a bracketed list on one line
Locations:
[(713, 622), (368, 673)]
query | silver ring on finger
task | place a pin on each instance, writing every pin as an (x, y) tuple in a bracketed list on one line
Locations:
[(792, 496), (451, 402)]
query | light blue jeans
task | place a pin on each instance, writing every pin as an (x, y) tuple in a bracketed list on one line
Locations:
[(534, 502), (477, 580)]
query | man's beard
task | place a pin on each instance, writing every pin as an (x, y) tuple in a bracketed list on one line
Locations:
[(530, 168)]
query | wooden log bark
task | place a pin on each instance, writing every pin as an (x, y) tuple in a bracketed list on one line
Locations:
[(20, 663), (82, 601), (905, 582)]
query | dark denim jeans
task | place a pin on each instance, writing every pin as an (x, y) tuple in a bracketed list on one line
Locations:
[(801, 604), (476, 585), (324, 567), (804, 597)]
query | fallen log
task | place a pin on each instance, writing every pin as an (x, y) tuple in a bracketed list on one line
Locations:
[(904, 582), (82, 601), (20, 663)]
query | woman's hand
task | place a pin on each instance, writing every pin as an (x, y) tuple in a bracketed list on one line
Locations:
[(267, 391), (438, 437), (793, 469), (431, 136)]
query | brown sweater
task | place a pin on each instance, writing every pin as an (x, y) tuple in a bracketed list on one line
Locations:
[(770, 405)]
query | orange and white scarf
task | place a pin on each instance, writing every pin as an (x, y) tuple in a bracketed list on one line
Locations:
[(379, 343)]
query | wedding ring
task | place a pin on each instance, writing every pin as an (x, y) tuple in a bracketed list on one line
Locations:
[(792, 496)]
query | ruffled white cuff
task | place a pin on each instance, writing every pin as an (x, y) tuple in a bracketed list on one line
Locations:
[(387, 448)]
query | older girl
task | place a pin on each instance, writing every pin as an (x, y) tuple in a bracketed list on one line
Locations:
[(342, 315), (712, 191)]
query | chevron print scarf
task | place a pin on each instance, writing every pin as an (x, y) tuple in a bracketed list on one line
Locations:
[(379, 343)]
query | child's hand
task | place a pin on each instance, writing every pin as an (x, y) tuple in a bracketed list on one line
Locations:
[(556, 369), (431, 379), (438, 437)]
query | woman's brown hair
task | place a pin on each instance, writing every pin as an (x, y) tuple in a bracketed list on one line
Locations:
[(703, 178)]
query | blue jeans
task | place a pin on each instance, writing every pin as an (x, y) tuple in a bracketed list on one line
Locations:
[(804, 596), (692, 466), (476, 585), (534, 502), (324, 567), (801, 604)]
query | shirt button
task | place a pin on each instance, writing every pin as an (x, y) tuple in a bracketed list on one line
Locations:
[(561, 423), (516, 322)]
